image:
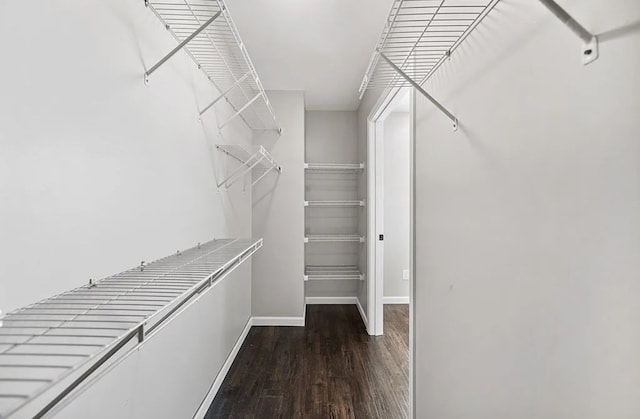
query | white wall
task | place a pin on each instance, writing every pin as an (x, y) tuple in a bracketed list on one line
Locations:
[(99, 172), (528, 221), (168, 376), (278, 215), (397, 176)]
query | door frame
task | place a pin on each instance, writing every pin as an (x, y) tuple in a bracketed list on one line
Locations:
[(375, 224), (375, 209)]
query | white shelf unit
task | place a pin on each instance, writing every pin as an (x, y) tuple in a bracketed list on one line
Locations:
[(260, 160), (206, 32), (331, 219)]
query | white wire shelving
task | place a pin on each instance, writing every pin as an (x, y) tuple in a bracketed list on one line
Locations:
[(333, 238), (419, 35), (334, 167), (332, 273), (205, 30), (48, 349), (345, 203), (259, 160)]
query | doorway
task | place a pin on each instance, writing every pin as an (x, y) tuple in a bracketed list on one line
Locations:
[(389, 160), (391, 100)]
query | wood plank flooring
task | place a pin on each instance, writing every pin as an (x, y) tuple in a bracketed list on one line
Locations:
[(329, 369)]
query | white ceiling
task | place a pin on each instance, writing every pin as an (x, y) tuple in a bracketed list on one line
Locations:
[(319, 46)]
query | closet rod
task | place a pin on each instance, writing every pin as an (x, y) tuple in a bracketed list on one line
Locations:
[(421, 90), (181, 45)]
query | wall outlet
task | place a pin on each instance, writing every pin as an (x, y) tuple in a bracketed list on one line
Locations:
[(405, 274)]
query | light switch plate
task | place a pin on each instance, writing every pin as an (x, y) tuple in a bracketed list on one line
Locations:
[(405, 274)]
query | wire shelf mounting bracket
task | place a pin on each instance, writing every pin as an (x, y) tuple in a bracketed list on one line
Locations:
[(180, 46), (225, 93), (418, 37), (205, 31), (261, 159), (590, 41), (421, 90)]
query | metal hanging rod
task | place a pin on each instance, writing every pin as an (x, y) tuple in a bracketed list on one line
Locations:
[(63, 340), (590, 46), (207, 33)]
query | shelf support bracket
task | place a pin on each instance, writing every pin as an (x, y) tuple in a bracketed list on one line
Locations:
[(240, 111), (180, 46), (225, 93), (590, 46), (422, 91)]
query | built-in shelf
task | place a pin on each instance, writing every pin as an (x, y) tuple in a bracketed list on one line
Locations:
[(338, 167), (260, 159), (353, 203), (327, 238), (332, 273), (332, 240), (50, 348)]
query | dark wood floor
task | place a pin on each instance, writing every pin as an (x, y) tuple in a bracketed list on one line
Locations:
[(329, 369)]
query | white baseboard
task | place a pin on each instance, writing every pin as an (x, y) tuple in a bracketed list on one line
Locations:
[(395, 300), (331, 300), (204, 406), (253, 321), (362, 314), (278, 321)]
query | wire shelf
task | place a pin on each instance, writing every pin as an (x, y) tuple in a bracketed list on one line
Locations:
[(419, 36), (338, 167), (334, 203), (220, 53), (332, 273), (260, 159), (331, 238), (52, 341)]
